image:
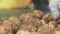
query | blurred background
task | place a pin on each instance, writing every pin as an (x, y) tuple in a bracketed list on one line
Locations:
[(15, 7)]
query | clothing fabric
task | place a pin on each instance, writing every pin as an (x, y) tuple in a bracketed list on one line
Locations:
[(55, 8), (41, 5)]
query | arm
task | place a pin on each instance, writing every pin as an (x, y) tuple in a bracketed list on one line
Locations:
[(54, 9)]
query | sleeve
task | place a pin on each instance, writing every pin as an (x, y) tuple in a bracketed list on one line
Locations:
[(54, 9)]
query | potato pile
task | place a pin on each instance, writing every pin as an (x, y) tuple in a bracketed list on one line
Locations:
[(30, 23)]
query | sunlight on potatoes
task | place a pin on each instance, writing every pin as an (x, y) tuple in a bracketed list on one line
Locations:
[(6, 4)]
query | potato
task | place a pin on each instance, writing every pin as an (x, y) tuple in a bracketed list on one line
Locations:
[(58, 22), (28, 27), (57, 30), (36, 22), (52, 24), (26, 32), (38, 14), (45, 30), (32, 21), (48, 17), (15, 22), (22, 32), (25, 17), (7, 25), (35, 33), (43, 22), (3, 30)]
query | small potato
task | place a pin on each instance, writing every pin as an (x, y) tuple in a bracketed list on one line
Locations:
[(57, 30), (4, 30), (35, 33), (38, 14), (48, 17), (45, 30), (52, 24), (15, 22), (27, 32), (25, 17), (22, 32), (58, 22), (7, 27), (28, 28), (43, 22)]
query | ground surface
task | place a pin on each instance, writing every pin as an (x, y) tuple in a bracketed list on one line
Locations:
[(4, 14)]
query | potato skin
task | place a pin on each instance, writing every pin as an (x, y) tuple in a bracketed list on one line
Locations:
[(38, 14), (45, 30), (48, 17), (4, 30), (22, 32)]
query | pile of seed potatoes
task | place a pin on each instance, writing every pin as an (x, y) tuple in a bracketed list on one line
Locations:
[(35, 22)]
